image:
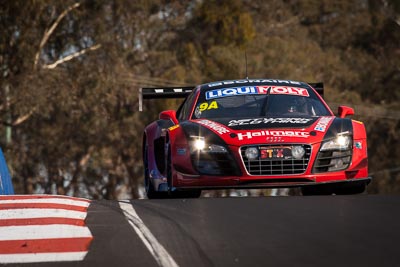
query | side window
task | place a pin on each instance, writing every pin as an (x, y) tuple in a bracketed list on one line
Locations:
[(179, 111), (185, 109)]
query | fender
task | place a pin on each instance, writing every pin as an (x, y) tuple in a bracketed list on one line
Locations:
[(359, 165), (180, 151), (359, 130), (153, 136)]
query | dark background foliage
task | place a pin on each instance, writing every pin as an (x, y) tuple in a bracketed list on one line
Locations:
[(70, 73)]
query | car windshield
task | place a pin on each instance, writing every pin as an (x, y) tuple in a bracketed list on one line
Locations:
[(258, 105)]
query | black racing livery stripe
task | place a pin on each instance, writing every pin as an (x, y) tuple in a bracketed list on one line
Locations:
[(339, 125), (195, 129)]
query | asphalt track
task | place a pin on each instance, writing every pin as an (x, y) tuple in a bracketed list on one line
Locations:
[(359, 230)]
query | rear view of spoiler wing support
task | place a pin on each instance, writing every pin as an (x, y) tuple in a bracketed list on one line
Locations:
[(163, 92)]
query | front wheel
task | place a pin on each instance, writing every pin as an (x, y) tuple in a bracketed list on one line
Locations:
[(148, 185), (185, 194), (150, 192)]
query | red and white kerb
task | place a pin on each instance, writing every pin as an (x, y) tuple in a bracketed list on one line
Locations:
[(43, 228)]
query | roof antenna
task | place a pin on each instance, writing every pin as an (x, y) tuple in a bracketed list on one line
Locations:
[(245, 57)]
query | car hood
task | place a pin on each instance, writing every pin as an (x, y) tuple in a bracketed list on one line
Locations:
[(268, 130), (267, 122)]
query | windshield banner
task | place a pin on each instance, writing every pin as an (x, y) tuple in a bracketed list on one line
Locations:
[(248, 90)]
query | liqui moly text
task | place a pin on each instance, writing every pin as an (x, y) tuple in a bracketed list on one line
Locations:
[(249, 90)]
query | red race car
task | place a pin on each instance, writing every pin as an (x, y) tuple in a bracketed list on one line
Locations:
[(252, 133)]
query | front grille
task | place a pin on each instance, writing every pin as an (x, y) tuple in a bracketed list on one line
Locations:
[(332, 161), (275, 165)]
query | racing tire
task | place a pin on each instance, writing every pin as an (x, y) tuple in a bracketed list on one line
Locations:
[(186, 194), (150, 192), (148, 185)]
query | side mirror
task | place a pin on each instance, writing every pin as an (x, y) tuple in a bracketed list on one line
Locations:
[(169, 115), (344, 111)]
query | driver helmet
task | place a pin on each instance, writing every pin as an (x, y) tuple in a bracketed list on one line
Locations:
[(297, 104)]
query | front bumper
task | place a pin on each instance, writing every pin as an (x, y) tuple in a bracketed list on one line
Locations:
[(183, 181)]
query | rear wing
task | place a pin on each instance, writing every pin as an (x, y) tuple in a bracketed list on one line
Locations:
[(319, 87), (182, 92), (163, 92)]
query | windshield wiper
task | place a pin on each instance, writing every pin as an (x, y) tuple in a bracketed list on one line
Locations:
[(266, 106)]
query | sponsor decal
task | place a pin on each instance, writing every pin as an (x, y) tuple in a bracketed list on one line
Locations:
[(214, 126), (358, 145), (173, 127), (197, 112), (250, 135), (249, 90), (284, 90), (274, 139), (181, 151), (275, 152), (206, 106), (268, 121), (224, 92), (322, 124), (253, 81)]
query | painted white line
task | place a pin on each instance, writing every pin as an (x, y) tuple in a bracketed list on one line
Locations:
[(159, 253), (26, 232), (48, 201), (42, 257), (41, 213)]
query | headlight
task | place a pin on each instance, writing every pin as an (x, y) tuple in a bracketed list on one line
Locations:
[(341, 142), (335, 154), (198, 144)]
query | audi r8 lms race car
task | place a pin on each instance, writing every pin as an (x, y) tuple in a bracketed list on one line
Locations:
[(252, 133)]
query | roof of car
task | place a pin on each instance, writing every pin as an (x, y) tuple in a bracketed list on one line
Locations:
[(251, 82)]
